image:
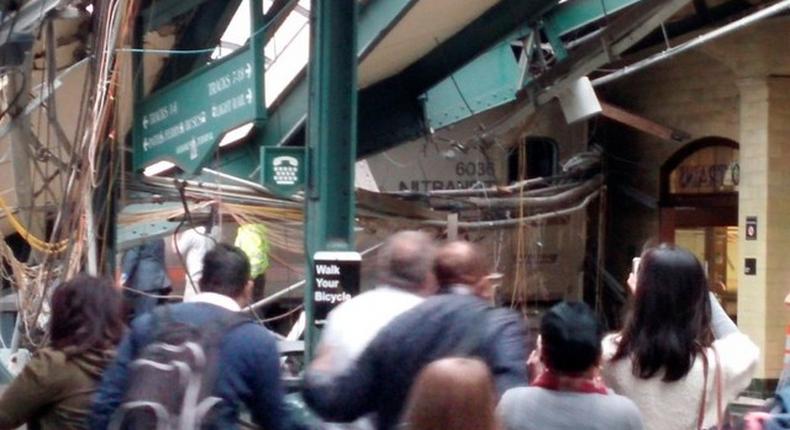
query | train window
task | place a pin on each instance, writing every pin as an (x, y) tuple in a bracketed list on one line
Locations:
[(540, 161)]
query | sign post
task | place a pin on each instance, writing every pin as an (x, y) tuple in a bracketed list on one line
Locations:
[(331, 139), (335, 280)]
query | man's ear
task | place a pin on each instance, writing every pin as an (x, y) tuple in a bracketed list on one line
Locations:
[(246, 294), (541, 351), (599, 361), (430, 285), (484, 289)]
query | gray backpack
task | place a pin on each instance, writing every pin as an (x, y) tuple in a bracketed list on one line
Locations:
[(171, 382)]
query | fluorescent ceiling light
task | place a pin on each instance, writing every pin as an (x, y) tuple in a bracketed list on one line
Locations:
[(235, 135), (158, 168)]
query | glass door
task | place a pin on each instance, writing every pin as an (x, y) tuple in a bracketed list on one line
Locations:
[(717, 249)]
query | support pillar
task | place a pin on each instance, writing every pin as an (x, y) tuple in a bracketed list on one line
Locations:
[(257, 44), (764, 192), (331, 139)]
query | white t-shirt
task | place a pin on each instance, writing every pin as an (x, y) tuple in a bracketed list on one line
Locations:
[(193, 245), (351, 326)]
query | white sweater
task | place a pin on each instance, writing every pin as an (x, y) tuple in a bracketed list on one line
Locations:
[(675, 405)]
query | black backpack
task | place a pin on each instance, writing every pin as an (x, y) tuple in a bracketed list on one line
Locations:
[(172, 380)]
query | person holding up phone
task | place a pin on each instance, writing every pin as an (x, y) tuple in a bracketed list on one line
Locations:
[(676, 339)]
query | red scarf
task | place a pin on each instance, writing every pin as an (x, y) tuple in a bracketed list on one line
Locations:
[(579, 384)]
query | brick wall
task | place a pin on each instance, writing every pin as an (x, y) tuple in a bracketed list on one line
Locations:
[(692, 92), (766, 193)]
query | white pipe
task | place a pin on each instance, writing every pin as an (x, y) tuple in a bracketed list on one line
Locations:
[(693, 43), (255, 186), (297, 285)]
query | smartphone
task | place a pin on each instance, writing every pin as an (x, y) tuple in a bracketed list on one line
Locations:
[(635, 265)]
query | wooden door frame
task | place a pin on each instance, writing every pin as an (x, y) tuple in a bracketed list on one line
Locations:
[(694, 210), (673, 218)]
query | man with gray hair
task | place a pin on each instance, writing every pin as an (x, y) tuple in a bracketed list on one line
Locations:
[(405, 278)]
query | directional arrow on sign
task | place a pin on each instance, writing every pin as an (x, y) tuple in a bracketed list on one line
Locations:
[(193, 150), (180, 124)]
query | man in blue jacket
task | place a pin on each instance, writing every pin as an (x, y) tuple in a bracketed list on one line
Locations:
[(249, 373), (144, 275), (460, 322)]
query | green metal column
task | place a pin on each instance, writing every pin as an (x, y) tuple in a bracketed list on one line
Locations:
[(257, 44), (331, 139)]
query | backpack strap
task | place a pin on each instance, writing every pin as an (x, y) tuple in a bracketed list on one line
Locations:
[(231, 321), (161, 317), (215, 329)]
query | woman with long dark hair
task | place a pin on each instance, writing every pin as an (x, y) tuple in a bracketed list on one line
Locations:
[(675, 340), (54, 390)]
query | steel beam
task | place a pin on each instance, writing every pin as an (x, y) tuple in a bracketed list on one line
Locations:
[(257, 44), (720, 14), (480, 35), (642, 124), (376, 20), (288, 113), (573, 15), (620, 34), (22, 153), (209, 22), (468, 91), (162, 12), (331, 138), (392, 111), (276, 15), (623, 32), (491, 80), (28, 17)]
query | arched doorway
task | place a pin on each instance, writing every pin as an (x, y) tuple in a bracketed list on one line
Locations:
[(699, 209)]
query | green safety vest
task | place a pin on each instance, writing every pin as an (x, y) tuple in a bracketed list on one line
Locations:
[(253, 240)]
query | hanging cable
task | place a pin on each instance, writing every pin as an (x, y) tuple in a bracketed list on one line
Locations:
[(201, 50), (34, 241)]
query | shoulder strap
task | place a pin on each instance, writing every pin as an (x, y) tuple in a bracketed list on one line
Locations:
[(701, 415), (233, 321), (220, 327), (161, 317), (717, 385)]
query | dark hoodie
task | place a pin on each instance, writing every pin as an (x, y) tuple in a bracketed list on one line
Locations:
[(53, 391)]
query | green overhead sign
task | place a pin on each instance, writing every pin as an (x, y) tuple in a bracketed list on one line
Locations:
[(283, 169), (183, 122)]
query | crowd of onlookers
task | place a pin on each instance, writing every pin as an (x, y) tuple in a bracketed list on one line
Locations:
[(426, 349)]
